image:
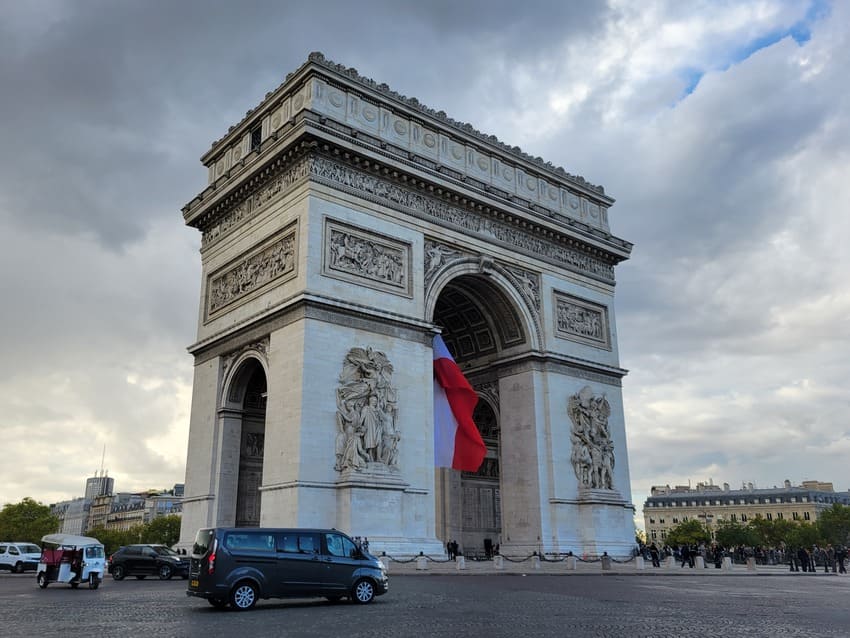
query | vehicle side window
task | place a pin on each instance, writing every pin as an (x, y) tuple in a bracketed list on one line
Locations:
[(339, 545), (133, 551), (13, 550), (307, 544), (251, 542), (287, 543), (2, 549), (149, 552)]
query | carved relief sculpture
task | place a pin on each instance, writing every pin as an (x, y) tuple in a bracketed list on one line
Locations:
[(367, 412), (274, 261), (359, 256), (593, 453), (581, 320)]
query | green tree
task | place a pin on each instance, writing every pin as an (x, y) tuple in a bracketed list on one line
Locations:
[(112, 539), (164, 530), (733, 533), (834, 524), (804, 535), (26, 521), (688, 533)]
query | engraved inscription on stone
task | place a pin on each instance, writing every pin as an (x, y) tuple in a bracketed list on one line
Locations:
[(593, 453), (367, 413), (274, 262), (365, 258), (581, 320)]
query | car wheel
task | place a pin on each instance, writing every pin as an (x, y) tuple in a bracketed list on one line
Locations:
[(19, 568), (165, 572), (94, 581), (75, 584), (218, 603), (243, 596), (41, 579), (141, 576), (364, 591), (118, 572)]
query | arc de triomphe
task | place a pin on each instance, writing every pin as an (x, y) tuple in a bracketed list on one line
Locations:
[(343, 226)]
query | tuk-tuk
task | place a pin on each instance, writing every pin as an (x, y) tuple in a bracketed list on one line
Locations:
[(66, 558)]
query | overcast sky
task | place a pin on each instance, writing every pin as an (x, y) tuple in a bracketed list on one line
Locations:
[(721, 128)]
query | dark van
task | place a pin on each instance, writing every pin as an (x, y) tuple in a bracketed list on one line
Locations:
[(238, 565)]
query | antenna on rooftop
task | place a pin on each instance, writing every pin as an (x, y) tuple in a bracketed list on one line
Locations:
[(102, 457)]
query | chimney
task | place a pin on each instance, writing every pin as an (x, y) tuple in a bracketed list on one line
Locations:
[(787, 484)]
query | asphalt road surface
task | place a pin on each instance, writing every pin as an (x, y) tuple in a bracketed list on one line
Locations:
[(494, 606)]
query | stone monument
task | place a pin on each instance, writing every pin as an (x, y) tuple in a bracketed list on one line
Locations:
[(343, 225)]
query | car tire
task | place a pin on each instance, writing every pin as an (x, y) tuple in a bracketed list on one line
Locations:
[(218, 603), (243, 596), (363, 592), (118, 572), (18, 568), (165, 572), (41, 579)]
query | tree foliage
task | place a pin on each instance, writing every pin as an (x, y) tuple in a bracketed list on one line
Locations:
[(28, 521), (733, 534), (164, 530), (688, 533), (834, 524)]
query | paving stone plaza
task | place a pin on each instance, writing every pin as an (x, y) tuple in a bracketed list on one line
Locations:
[(620, 603)]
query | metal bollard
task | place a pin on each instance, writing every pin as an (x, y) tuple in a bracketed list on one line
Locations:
[(421, 563), (535, 562), (498, 562), (639, 563), (460, 563), (571, 563), (606, 562)]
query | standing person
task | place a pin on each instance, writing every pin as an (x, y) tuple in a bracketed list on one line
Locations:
[(830, 557), (449, 550), (840, 557), (685, 553), (653, 554), (803, 557)]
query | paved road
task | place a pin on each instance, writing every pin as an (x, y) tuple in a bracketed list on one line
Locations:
[(495, 606)]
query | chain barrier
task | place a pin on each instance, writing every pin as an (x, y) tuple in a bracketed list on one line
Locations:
[(542, 557)]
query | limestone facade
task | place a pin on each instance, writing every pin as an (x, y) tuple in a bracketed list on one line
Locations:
[(343, 225)]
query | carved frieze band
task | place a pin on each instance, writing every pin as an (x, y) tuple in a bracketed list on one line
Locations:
[(403, 198), (366, 258), (528, 283), (437, 256), (252, 205), (581, 320), (275, 261)]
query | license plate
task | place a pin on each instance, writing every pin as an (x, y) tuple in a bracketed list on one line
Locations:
[(193, 583)]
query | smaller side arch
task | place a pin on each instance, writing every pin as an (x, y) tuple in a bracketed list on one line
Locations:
[(236, 375)]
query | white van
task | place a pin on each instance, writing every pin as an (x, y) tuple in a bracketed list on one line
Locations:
[(18, 556)]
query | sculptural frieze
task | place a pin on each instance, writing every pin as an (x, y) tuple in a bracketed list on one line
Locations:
[(367, 413), (366, 258), (528, 284), (276, 260), (437, 256), (581, 320), (592, 450), (403, 197)]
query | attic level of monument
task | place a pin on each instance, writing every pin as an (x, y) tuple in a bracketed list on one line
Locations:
[(382, 131)]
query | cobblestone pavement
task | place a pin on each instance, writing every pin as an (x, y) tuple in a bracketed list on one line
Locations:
[(608, 605)]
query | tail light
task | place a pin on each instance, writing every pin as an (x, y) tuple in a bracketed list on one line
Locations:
[(211, 559)]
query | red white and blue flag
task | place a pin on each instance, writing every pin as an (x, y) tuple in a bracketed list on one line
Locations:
[(457, 442)]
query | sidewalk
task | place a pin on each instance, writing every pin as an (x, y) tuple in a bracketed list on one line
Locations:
[(532, 566)]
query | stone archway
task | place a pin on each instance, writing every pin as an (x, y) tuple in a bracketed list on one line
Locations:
[(482, 325), (244, 418)]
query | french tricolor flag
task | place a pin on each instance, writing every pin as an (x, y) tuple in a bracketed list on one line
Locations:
[(457, 442)]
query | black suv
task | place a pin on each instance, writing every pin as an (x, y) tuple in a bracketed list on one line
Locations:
[(147, 560)]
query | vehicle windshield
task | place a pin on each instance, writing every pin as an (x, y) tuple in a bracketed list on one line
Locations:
[(95, 551), (203, 542), (162, 550), (30, 549)]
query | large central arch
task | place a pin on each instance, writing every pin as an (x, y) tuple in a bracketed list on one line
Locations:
[(484, 322)]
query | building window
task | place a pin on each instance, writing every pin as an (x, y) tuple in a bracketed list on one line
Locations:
[(663, 534), (806, 516), (652, 521), (795, 516), (256, 139), (661, 520), (743, 518), (652, 534), (769, 516), (779, 515), (733, 517), (675, 521)]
